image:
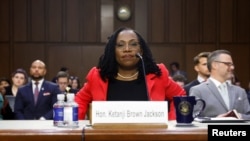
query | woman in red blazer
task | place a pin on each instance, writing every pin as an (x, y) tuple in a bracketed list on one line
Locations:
[(119, 75)]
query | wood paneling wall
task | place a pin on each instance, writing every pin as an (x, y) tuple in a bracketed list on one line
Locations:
[(67, 32)]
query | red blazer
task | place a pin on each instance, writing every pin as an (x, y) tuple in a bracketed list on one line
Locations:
[(159, 88)]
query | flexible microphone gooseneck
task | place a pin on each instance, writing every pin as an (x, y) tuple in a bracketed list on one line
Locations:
[(144, 72)]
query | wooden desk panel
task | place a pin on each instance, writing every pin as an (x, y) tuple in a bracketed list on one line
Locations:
[(45, 131), (40, 135), (172, 133), (36, 130)]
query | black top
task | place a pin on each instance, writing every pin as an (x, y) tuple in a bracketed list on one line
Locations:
[(7, 112), (127, 91), (8, 90)]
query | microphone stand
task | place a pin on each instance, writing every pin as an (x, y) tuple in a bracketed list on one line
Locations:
[(144, 73)]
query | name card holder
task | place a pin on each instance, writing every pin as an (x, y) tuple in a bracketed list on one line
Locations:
[(129, 114)]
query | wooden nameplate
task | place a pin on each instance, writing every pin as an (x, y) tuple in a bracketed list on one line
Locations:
[(130, 125)]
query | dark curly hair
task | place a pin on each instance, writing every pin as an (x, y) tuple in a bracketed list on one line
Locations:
[(108, 64)]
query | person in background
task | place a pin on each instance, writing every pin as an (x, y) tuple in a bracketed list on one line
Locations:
[(65, 69), (235, 80), (200, 66), (1, 101), (221, 97), (175, 70), (35, 100), (63, 83), (180, 80), (119, 75), (248, 92), (5, 82), (76, 85), (19, 78), (6, 111), (237, 83)]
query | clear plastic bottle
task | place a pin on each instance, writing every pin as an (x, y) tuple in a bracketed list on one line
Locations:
[(58, 111), (71, 111)]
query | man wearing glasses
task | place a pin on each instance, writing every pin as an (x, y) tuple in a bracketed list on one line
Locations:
[(220, 96), (63, 83)]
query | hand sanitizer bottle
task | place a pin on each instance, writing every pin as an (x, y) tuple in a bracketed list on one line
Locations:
[(58, 111), (71, 111)]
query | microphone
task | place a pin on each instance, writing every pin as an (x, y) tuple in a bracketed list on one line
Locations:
[(144, 72)]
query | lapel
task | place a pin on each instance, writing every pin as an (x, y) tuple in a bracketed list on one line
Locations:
[(215, 92), (30, 94), (231, 94)]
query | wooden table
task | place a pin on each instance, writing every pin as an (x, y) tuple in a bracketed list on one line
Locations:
[(37, 130), (197, 132), (34, 130)]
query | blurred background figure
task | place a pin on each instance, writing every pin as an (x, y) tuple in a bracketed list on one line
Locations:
[(1, 101), (235, 80), (64, 69), (5, 82), (175, 70), (200, 66), (75, 83), (180, 80), (63, 82), (18, 78), (5, 109), (248, 92)]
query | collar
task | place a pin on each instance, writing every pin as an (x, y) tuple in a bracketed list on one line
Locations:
[(216, 82), (200, 79), (40, 82)]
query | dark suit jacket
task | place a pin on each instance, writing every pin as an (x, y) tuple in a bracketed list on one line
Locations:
[(191, 84), (24, 103)]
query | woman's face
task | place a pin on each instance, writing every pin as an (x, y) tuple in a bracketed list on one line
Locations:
[(4, 83), (127, 45), (74, 84), (2, 89), (18, 79)]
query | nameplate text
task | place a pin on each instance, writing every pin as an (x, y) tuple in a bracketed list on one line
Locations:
[(129, 112)]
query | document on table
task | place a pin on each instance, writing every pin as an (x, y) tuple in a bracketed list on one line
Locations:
[(219, 120)]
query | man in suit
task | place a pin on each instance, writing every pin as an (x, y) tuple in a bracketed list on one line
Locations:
[(200, 66), (63, 83), (35, 100), (220, 102)]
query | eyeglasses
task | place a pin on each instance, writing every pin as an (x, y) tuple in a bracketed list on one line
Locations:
[(131, 45), (229, 64)]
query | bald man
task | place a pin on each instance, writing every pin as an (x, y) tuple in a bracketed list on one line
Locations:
[(35, 100)]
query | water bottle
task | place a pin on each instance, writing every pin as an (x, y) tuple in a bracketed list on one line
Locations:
[(58, 111), (71, 111)]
